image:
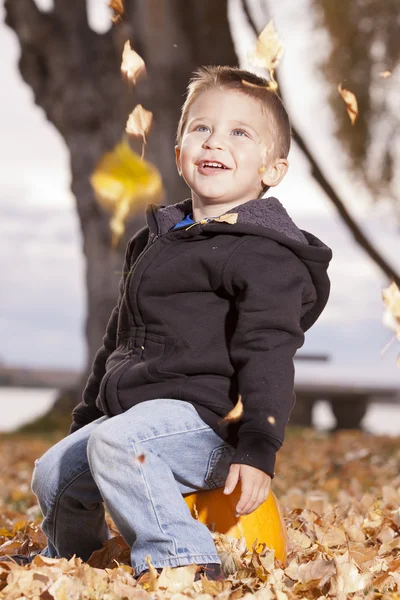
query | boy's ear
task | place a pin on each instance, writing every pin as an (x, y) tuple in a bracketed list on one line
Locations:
[(275, 172), (178, 159)]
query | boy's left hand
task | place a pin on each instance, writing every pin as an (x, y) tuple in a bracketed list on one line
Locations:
[(255, 487)]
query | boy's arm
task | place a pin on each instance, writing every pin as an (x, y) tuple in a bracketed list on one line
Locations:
[(273, 290), (86, 411)]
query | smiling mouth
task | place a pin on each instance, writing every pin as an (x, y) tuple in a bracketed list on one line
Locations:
[(211, 165)]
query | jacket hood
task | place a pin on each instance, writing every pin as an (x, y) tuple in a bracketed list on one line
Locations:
[(264, 217)]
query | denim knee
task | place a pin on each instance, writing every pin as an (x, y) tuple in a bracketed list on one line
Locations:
[(40, 477)]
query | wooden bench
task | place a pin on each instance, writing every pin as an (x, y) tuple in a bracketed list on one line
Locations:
[(348, 400)]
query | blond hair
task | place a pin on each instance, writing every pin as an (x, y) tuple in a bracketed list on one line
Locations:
[(254, 86)]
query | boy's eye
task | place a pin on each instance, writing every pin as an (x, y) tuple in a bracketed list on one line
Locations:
[(200, 127), (241, 132)]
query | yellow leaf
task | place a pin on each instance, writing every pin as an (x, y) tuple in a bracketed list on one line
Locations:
[(132, 64), (235, 413), (139, 122), (268, 52), (351, 103), (391, 301), (385, 74), (124, 183)]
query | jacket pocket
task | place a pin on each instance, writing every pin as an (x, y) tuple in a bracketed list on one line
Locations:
[(157, 355), (218, 466)]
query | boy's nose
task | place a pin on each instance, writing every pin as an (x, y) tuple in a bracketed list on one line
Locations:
[(214, 141)]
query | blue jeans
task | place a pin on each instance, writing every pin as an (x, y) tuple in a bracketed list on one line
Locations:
[(178, 454)]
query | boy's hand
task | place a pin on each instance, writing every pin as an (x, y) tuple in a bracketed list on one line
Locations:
[(255, 487)]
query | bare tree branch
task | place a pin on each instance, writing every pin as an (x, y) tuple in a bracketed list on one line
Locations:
[(358, 235), (319, 176)]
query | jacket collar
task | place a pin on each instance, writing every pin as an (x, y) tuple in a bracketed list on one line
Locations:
[(264, 212)]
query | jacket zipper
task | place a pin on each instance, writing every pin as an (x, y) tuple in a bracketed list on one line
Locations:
[(109, 373)]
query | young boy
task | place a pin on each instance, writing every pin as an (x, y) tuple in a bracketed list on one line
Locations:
[(216, 295)]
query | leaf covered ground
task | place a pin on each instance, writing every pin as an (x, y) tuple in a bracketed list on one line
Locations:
[(340, 495)]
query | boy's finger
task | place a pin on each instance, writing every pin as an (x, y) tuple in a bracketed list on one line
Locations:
[(254, 505), (232, 479), (247, 499)]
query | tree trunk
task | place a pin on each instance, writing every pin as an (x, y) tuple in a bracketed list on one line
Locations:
[(75, 77)]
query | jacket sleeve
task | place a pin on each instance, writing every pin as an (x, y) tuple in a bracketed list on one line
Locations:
[(268, 281), (86, 411)]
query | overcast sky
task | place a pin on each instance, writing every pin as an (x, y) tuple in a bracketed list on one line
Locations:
[(43, 298)]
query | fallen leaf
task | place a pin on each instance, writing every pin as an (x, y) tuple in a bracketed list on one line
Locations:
[(330, 536), (177, 579), (385, 74)]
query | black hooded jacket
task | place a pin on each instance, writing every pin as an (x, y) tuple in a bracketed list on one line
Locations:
[(210, 311)]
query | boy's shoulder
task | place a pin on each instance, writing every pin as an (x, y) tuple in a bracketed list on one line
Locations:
[(270, 213)]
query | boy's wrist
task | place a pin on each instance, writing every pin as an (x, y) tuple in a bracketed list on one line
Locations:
[(257, 450)]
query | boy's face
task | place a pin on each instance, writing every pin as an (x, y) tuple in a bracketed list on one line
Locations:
[(228, 127)]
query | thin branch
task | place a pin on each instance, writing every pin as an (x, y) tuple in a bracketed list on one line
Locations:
[(358, 235), (318, 175), (24, 17)]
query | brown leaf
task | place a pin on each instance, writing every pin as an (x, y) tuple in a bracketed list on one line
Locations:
[(319, 570), (117, 6), (132, 64), (330, 536), (114, 551), (351, 103)]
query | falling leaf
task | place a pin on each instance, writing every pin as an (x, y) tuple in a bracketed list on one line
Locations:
[(117, 6), (268, 52), (391, 301), (124, 183), (351, 103), (235, 413), (385, 74), (132, 64), (139, 122)]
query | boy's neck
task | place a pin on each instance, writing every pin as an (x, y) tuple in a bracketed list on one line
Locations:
[(204, 211)]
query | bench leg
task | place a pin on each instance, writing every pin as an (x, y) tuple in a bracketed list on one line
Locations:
[(350, 413)]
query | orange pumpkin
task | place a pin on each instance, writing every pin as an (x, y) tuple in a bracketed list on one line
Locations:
[(265, 524)]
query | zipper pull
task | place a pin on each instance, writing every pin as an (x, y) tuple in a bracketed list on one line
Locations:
[(201, 222)]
